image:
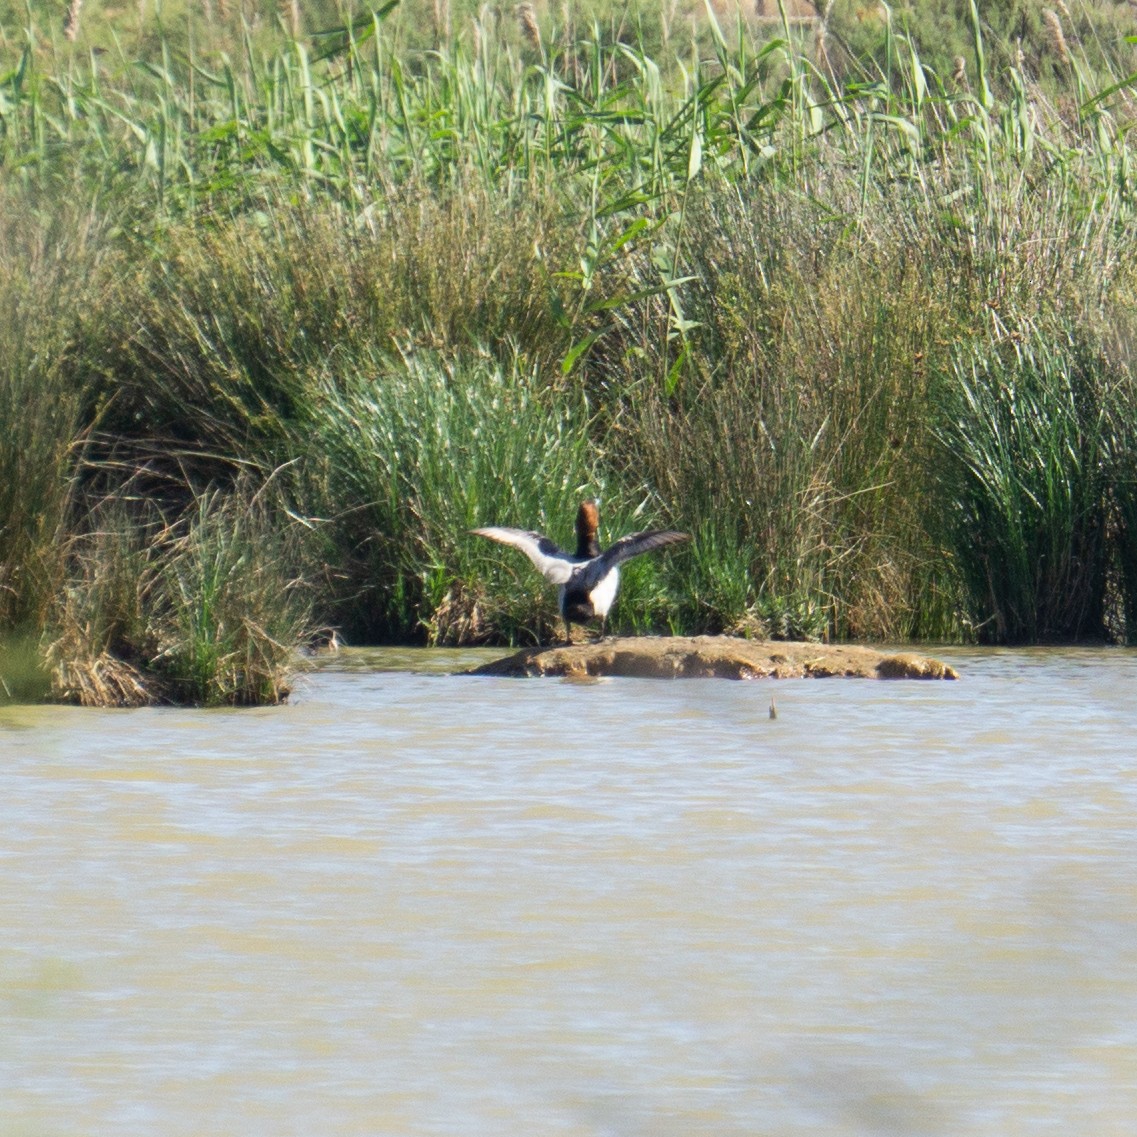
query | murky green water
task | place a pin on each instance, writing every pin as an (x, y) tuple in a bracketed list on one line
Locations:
[(425, 904)]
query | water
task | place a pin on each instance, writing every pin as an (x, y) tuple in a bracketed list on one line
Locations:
[(426, 904)]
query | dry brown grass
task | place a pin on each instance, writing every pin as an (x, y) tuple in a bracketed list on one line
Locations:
[(102, 680)]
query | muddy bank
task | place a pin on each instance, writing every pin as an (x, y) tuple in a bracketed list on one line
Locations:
[(715, 657)]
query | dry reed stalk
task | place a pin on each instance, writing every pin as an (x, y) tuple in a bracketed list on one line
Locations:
[(823, 11), (527, 17), (459, 619), (823, 61), (292, 17), (1056, 34), (71, 20), (440, 14), (104, 681)]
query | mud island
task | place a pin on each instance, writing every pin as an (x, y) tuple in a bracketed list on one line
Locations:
[(715, 657)]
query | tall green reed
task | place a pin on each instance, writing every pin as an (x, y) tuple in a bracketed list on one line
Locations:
[(417, 450), (1023, 434), (235, 602), (40, 415)]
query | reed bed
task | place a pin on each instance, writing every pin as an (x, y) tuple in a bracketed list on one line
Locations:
[(207, 609), (291, 308)]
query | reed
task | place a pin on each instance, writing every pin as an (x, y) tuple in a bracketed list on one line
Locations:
[(207, 609), (720, 281), (40, 413), (416, 450), (23, 676), (234, 603), (1023, 435), (1117, 347), (98, 639)]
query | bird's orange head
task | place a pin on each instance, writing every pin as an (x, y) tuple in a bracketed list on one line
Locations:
[(587, 528)]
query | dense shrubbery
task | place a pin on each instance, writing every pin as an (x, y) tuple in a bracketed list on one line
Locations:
[(278, 327)]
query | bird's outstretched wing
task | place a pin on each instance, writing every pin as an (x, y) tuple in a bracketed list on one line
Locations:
[(548, 559), (624, 549)]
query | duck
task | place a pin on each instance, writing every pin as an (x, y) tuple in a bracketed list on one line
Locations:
[(587, 579)]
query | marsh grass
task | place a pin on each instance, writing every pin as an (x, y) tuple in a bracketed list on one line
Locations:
[(1120, 350), (797, 455), (23, 675), (234, 603), (205, 610), (418, 449), (1023, 437), (851, 321), (98, 638), (40, 424)]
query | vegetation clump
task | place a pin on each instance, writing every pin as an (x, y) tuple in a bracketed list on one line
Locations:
[(292, 299)]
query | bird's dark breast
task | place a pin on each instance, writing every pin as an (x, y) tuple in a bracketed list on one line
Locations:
[(578, 608)]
